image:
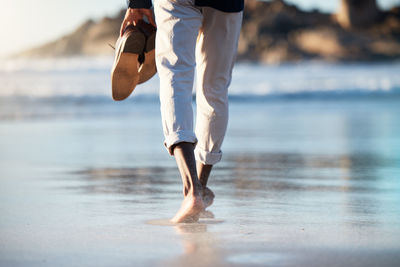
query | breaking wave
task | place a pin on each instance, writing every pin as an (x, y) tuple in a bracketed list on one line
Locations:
[(89, 78)]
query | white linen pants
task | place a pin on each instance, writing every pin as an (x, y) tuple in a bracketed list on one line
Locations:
[(188, 38)]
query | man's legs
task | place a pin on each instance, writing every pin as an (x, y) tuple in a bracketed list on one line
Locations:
[(192, 204), (203, 172), (215, 56), (178, 25)]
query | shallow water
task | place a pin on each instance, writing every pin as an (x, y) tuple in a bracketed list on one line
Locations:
[(302, 183)]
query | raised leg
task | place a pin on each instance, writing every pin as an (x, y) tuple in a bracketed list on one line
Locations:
[(215, 56), (203, 172)]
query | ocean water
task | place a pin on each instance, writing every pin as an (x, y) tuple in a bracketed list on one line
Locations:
[(309, 176), (84, 77)]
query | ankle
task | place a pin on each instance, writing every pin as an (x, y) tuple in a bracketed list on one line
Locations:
[(195, 192)]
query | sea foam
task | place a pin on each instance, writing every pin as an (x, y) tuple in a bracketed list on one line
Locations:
[(86, 76)]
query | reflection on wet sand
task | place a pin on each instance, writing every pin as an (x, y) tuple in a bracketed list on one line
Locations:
[(200, 247), (352, 183), (313, 199), (154, 180), (274, 172), (353, 178)]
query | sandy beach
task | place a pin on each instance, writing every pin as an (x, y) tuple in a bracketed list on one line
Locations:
[(304, 181)]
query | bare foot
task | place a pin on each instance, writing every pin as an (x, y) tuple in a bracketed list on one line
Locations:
[(208, 197), (207, 215), (190, 209)]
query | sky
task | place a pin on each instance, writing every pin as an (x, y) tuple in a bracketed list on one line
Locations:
[(27, 23)]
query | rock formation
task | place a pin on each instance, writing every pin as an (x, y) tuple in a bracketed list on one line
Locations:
[(272, 32), (358, 13), (90, 39), (275, 32)]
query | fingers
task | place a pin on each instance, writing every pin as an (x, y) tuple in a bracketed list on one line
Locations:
[(150, 17), (151, 20), (133, 15), (125, 21), (123, 25), (137, 14), (144, 12)]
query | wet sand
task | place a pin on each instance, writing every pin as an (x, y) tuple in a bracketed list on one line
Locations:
[(300, 184)]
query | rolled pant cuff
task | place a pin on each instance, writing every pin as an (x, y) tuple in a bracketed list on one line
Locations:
[(179, 137), (207, 158)]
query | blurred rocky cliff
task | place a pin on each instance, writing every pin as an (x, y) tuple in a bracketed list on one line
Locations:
[(273, 32)]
